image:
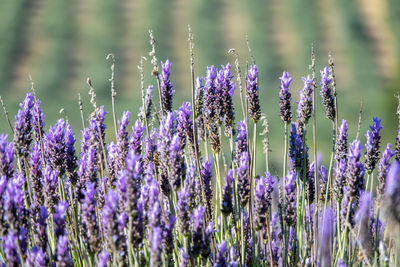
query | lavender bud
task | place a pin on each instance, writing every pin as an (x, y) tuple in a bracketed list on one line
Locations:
[(103, 259), (340, 180), (36, 174), (355, 171), (325, 236), (168, 239), (341, 142), (241, 141), (290, 199), (36, 258), (183, 211), (87, 171), (252, 94), (260, 204), (347, 210), (215, 141), (40, 229), (112, 163), (37, 122), (243, 179), (392, 192), (122, 139), (55, 146), (59, 218), (362, 219), (156, 248), (323, 184), (70, 160), (199, 95), (206, 175), (285, 97), (90, 229), (209, 97), (372, 145), (310, 186), (326, 94), (175, 166), (184, 125), (23, 126), (15, 212), (11, 250), (148, 102), (220, 260), (304, 107), (295, 148), (227, 89), (383, 169), (6, 157), (197, 231), (63, 259), (227, 201), (166, 86), (135, 143), (183, 258)]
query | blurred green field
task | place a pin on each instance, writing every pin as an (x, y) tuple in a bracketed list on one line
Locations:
[(61, 43)]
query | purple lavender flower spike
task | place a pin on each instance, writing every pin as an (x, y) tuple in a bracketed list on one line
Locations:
[(59, 218), (295, 148), (91, 229), (109, 220), (260, 204), (340, 180), (166, 87), (70, 159), (183, 211), (155, 215), (252, 94), (197, 231), (326, 94), (209, 97), (36, 174), (310, 186), (62, 252), (383, 169), (122, 139), (38, 122), (227, 195), (347, 210), (341, 142), (355, 171), (11, 250), (269, 184), (341, 263), (285, 97), (15, 212), (133, 172), (148, 102), (112, 163), (220, 260), (49, 185), (168, 239), (392, 192), (36, 257), (304, 107), (290, 198), (199, 108), (325, 236), (23, 126), (6, 157), (138, 225), (241, 141), (323, 184), (362, 219), (175, 166), (3, 188), (206, 175), (40, 229), (135, 142), (183, 258), (184, 125), (101, 116), (150, 147), (87, 171), (103, 259), (55, 146), (156, 248), (372, 145), (243, 179), (227, 89)]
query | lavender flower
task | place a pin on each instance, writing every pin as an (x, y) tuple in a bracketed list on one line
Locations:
[(55, 146), (241, 140), (310, 186), (372, 145), (260, 204), (133, 171), (243, 180), (197, 231), (220, 260), (16, 214), (206, 175), (168, 239), (392, 192), (285, 97), (10, 250), (362, 218), (148, 102), (341, 142), (166, 87), (62, 253), (227, 195), (199, 108), (269, 183), (37, 122), (227, 89), (90, 230), (295, 148), (347, 210), (355, 171), (137, 225), (215, 142), (112, 163), (109, 221), (290, 199), (103, 259), (87, 171), (36, 257), (252, 94), (3, 188), (23, 126), (383, 169), (175, 166), (6, 157), (156, 248), (304, 107), (36, 174), (209, 97), (183, 211), (149, 149), (59, 219), (323, 184), (326, 94), (183, 258), (70, 159), (122, 139), (340, 180), (135, 142), (40, 228), (184, 125), (325, 236)]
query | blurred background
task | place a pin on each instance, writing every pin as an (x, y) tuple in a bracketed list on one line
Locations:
[(61, 43)]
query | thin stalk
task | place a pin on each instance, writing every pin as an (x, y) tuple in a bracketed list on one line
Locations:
[(6, 113)]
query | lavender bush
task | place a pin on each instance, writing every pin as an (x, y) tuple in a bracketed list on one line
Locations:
[(169, 193)]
